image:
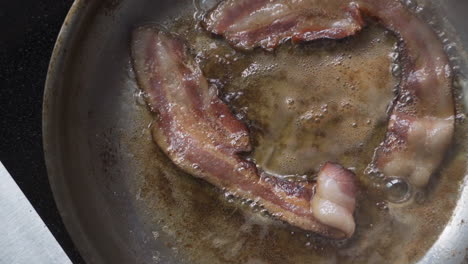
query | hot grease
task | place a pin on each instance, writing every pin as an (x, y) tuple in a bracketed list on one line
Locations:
[(304, 105)]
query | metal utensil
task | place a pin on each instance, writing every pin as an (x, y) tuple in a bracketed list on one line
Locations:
[(25, 238)]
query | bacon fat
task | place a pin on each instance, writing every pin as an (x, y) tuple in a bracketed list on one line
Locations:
[(422, 121), (204, 141)]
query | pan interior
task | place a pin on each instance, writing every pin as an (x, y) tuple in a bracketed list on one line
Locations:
[(125, 202)]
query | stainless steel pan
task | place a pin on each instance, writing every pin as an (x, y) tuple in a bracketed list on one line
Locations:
[(93, 131)]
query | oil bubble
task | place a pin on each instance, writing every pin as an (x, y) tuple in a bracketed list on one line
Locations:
[(205, 5), (395, 56), (140, 98), (396, 70), (397, 190), (290, 101), (411, 4), (373, 172), (382, 206)]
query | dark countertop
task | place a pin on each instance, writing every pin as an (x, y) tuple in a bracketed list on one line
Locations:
[(30, 30)]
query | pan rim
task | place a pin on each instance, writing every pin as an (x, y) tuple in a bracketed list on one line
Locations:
[(64, 202)]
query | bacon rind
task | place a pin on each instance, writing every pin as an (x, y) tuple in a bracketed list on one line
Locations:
[(176, 91)]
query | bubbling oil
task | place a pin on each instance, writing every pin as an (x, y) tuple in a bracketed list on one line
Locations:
[(304, 105)]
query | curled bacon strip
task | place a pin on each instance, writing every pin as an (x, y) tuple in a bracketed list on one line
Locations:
[(335, 198), (422, 121), (250, 23), (175, 86), (201, 136)]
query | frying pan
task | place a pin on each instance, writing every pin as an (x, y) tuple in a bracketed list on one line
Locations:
[(93, 128)]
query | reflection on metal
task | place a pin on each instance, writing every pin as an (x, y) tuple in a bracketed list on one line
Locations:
[(451, 247)]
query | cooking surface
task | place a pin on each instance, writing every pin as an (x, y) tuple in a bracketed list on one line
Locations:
[(31, 28), (105, 158), (21, 148), (204, 224)]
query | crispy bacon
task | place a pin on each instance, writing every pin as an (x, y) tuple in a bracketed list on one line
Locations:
[(192, 132), (422, 121)]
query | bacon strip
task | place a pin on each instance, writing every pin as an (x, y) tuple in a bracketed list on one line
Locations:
[(189, 131), (175, 86), (334, 201), (247, 24), (422, 121)]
